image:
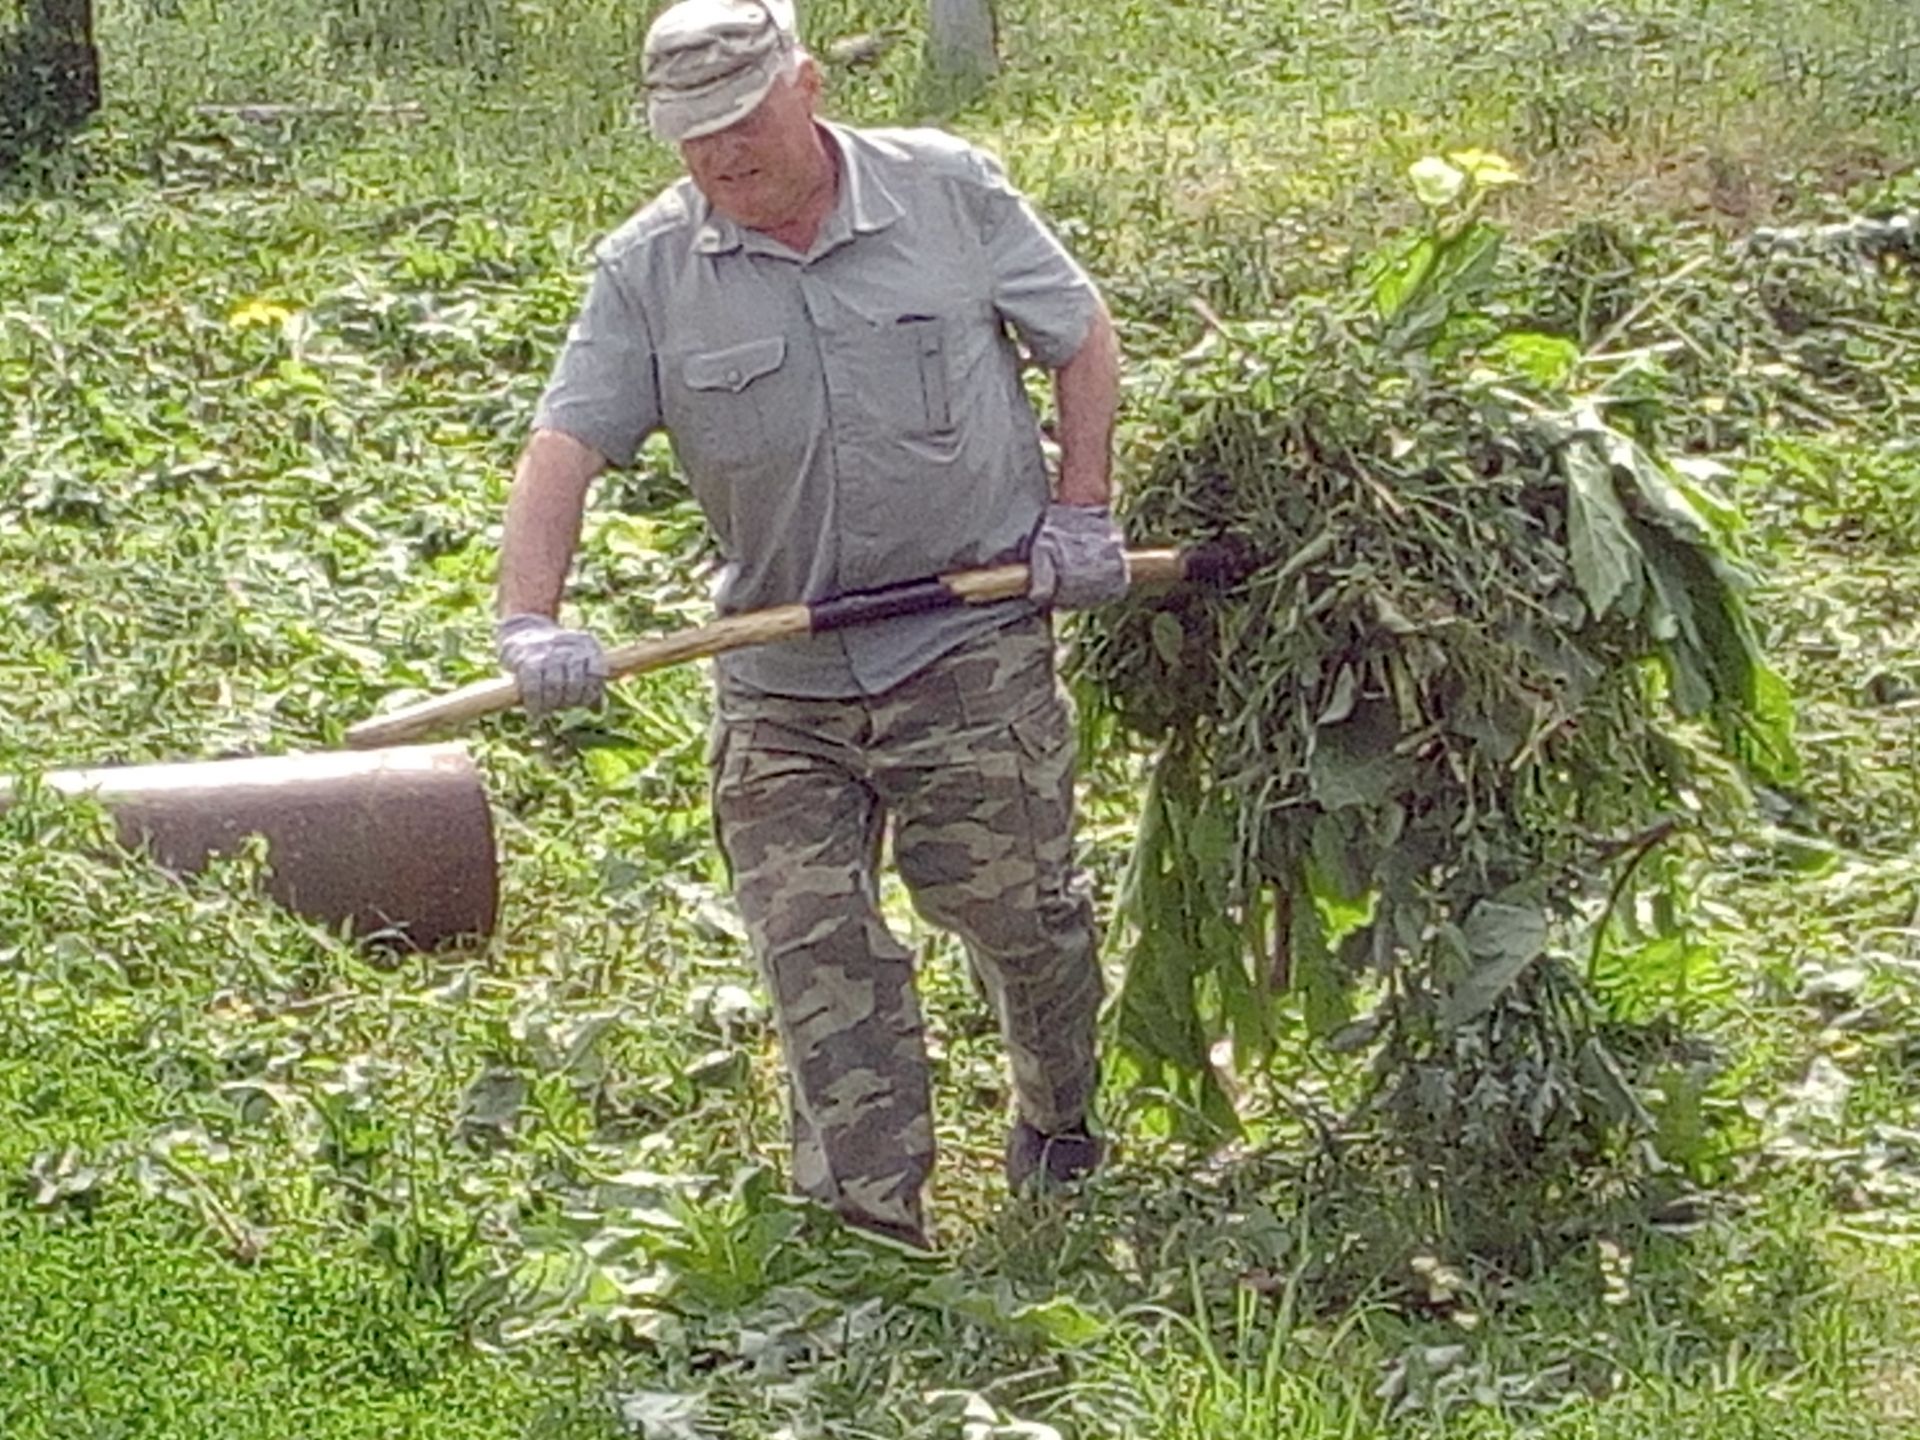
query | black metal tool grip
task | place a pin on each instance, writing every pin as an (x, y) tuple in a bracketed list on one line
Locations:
[(861, 607)]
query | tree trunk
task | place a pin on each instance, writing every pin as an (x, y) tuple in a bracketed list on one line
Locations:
[(961, 39), (49, 75)]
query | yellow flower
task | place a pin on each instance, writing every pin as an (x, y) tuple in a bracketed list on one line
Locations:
[(1435, 182), (1485, 168), (259, 312)]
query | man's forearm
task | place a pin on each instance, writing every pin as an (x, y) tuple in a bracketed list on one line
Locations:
[(542, 527), (1087, 391)]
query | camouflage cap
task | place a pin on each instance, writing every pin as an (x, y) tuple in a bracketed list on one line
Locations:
[(708, 63)]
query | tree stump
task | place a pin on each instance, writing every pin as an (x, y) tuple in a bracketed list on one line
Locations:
[(962, 41)]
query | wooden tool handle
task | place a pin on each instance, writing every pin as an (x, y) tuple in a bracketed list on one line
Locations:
[(502, 692), (736, 632), (456, 707)]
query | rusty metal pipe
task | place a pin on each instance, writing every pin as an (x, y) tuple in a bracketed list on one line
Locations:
[(397, 843)]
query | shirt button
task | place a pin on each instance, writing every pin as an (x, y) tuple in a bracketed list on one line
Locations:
[(733, 378)]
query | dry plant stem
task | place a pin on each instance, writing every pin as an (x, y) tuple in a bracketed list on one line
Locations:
[(1637, 849), (243, 1242), (1654, 291)]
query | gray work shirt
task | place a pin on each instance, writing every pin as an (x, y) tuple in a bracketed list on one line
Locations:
[(847, 418)]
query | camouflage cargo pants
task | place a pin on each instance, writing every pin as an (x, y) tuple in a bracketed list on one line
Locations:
[(972, 761)]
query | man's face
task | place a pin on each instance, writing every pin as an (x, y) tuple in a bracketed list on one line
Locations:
[(760, 171)]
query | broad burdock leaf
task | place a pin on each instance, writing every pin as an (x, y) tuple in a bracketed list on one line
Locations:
[(1606, 558), (1503, 940), (1357, 763), (1502, 931)]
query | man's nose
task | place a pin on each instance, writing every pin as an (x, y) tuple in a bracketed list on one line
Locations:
[(720, 149)]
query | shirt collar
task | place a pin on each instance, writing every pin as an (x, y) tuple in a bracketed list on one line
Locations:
[(863, 206)]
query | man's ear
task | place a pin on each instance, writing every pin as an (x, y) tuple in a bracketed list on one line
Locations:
[(811, 80)]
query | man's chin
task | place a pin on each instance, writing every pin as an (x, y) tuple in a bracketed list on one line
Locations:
[(750, 214)]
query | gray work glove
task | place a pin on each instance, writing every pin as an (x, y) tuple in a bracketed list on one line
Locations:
[(556, 668), (1079, 558)]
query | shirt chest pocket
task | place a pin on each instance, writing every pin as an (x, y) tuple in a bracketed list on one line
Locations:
[(906, 375), (924, 372), (728, 401)]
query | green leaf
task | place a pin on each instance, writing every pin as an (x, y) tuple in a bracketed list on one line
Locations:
[(1338, 882), (1546, 360), (1684, 1136), (1167, 638), (1698, 479), (1326, 1000), (1707, 640), (1062, 1321), (1488, 169), (1503, 939), (1767, 745), (1662, 502), (1401, 274), (1355, 764), (1209, 844), (613, 766), (1606, 561)]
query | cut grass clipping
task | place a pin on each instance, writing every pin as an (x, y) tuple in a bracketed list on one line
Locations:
[(1499, 652)]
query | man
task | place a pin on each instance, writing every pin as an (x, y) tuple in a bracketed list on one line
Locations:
[(823, 320)]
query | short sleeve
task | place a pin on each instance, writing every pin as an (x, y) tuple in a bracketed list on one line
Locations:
[(1038, 288), (605, 386)]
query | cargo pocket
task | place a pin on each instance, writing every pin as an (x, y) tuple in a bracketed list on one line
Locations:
[(1044, 741), (1045, 733)]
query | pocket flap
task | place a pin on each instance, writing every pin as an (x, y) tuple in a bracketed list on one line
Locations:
[(735, 367)]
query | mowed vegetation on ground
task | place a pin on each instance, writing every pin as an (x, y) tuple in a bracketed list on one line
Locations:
[(262, 376)]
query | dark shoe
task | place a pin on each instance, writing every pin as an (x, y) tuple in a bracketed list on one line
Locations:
[(1048, 1160)]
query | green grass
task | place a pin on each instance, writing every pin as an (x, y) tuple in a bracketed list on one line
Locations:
[(123, 1325), (259, 389)]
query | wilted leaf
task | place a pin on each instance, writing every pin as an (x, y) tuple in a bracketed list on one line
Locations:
[(663, 1415), (492, 1102), (1821, 1095), (1167, 638), (725, 1068), (1339, 706), (1499, 930), (60, 1177), (1355, 764), (1606, 559)]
